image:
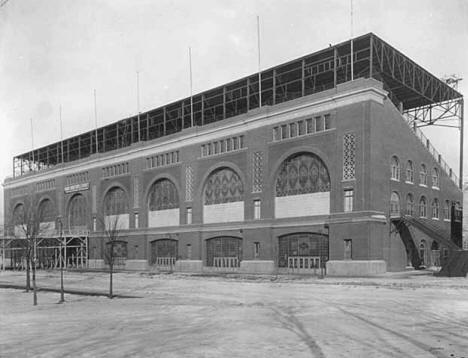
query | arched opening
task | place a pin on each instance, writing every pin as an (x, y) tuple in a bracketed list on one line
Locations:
[(409, 204), (422, 207), (422, 252), (435, 250), (394, 204), (164, 253), (223, 197), (46, 213), (116, 215), (302, 187), (77, 213), (224, 252), (409, 172), (163, 204), (435, 209), (116, 253), (395, 168), (423, 175), (303, 251)]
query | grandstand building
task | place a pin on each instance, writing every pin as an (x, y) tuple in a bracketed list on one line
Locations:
[(324, 171)]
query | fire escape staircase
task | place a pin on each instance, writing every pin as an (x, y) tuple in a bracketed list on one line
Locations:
[(457, 264)]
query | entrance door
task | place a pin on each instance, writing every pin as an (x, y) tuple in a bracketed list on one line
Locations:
[(224, 252), (164, 253)]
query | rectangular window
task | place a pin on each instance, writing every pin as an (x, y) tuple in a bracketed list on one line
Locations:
[(310, 125), (257, 209), (348, 200), (293, 130), (319, 124), (235, 143), (301, 128), (189, 251), (348, 249), (94, 224), (168, 158), (203, 151), (189, 216), (276, 134), (228, 145), (256, 249), (209, 148), (137, 221), (327, 119), (241, 141), (215, 145), (284, 131), (223, 149)]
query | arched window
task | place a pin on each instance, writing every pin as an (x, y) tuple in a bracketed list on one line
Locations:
[(423, 175), (115, 202), (447, 210), (223, 186), (46, 211), (422, 207), (302, 173), (409, 204), (77, 212), (19, 215), (163, 195), (435, 208), (394, 204), (409, 172), (435, 178), (395, 167)]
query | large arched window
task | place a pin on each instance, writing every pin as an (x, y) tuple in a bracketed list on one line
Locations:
[(435, 209), (394, 204), (223, 197), (395, 168), (302, 187), (163, 195), (409, 204), (435, 178), (115, 202), (77, 212), (223, 186), (46, 211), (423, 175), (19, 215), (422, 207), (163, 204), (409, 172)]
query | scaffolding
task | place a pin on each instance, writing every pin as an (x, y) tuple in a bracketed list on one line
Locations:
[(68, 251), (424, 98)]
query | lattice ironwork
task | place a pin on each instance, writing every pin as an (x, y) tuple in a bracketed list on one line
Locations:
[(189, 183), (257, 172), (302, 245), (349, 156), (163, 195), (302, 173), (163, 248), (223, 186), (223, 247)]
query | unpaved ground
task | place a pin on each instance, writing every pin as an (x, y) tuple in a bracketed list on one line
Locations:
[(189, 316)]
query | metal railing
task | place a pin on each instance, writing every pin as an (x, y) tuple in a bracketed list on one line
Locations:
[(166, 261), (226, 262), (304, 262)]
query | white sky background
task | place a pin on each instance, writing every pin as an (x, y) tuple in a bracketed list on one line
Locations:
[(57, 51)]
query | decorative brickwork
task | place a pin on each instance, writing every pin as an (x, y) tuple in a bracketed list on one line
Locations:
[(349, 156), (257, 172), (45, 185), (188, 183)]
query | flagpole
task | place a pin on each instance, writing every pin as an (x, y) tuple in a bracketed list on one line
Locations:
[(95, 121), (352, 44), (138, 102), (259, 64), (191, 86), (61, 130)]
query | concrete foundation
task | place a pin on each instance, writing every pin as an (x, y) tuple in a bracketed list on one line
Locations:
[(356, 267), (136, 265), (257, 266), (189, 265), (96, 264)]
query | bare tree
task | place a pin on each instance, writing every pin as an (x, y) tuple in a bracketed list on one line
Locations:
[(27, 229), (112, 230)]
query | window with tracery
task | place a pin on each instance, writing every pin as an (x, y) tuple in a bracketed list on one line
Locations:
[(395, 203), (409, 204), (163, 195), (223, 186), (116, 202), (422, 207), (302, 173), (46, 211), (77, 211), (409, 172), (349, 156), (395, 167), (423, 175), (435, 178), (435, 209), (257, 169)]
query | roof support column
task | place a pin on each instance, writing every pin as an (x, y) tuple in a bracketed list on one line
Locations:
[(461, 141)]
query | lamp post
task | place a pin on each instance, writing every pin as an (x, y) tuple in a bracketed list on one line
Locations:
[(62, 293)]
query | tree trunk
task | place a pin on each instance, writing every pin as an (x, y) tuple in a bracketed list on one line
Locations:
[(28, 274), (34, 282), (111, 268)]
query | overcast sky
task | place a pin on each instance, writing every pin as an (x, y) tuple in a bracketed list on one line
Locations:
[(56, 52)]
